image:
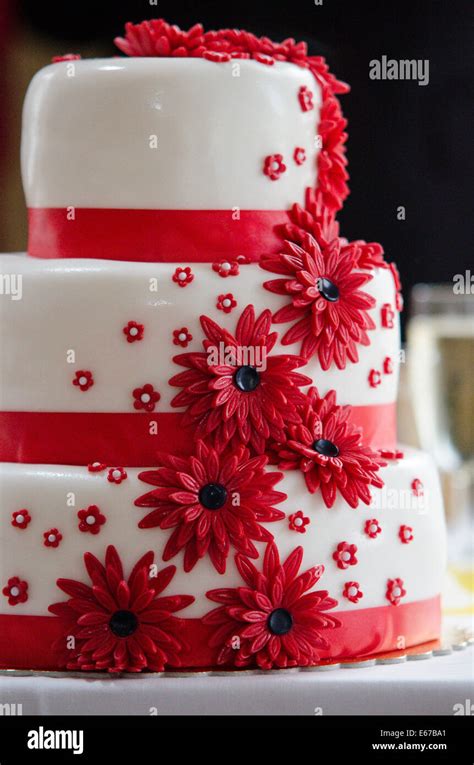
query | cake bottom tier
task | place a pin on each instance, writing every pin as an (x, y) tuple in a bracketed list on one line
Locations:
[(329, 584)]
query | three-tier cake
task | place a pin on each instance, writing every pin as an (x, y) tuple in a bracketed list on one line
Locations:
[(199, 376)]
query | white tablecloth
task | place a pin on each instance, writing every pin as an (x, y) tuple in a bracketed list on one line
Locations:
[(432, 686)]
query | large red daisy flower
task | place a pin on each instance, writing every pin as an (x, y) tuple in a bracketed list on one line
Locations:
[(236, 391), (317, 219), (212, 501), (330, 311), (327, 448), (270, 621), (120, 625)]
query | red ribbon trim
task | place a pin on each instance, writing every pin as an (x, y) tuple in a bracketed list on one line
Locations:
[(171, 236), (26, 641), (78, 438)]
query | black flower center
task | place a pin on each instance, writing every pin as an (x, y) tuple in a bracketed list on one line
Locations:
[(123, 623), (328, 290), (246, 379), (213, 496), (280, 621), (325, 447)]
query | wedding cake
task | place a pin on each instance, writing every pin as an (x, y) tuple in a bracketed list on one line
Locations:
[(199, 459)]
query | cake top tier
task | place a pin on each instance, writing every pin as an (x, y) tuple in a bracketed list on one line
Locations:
[(222, 122)]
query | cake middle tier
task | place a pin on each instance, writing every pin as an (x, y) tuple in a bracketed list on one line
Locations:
[(89, 348)]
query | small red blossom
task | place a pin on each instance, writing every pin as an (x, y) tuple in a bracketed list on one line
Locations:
[(274, 166), (182, 337), (306, 98), (298, 522), (226, 268), (213, 501), (387, 366), (91, 519), (391, 454), (406, 534), (273, 620), (352, 592), (96, 467), (83, 380), (146, 398), (387, 316), (16, 591), (226, 302), (183, 276), (372, 528), (66, 57), (332, 173), (345, 555), (21, 519), (328, 450), (395, 591), (117, 475), (417, 487), (133, 331), (328, 312), (246, 397), (52, 538), (375, 378), (119, 624), (299, 155)]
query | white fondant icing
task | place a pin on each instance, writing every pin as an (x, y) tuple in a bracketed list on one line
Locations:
[(72, 313), (167, 133), (48, 492)]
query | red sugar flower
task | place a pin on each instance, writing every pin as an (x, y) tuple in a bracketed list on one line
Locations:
[(91, 519), (182, 337), (16, 591), (328, 311), (317, 219), (387, 366), (263, 59), (272, 621), (417, 487), (345, 555), (52, 538), (298, 522), (306, 98), (21, 519), (406, 534), (328, 451), (299, 156), (395, 591), (226, 302), (375, 378), (134, 331), (120, 625), (83, 380), (146, 398), (226, 268), (212, 501), (372, 528), (216, 56), (158, 38), (274, 166), (391, 454), (352, 592), (332, 173), (387, 316), (117, 475), (237, 389), (183, 276), (96, 467)]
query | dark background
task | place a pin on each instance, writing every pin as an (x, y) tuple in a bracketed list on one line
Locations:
[(408, 145)]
